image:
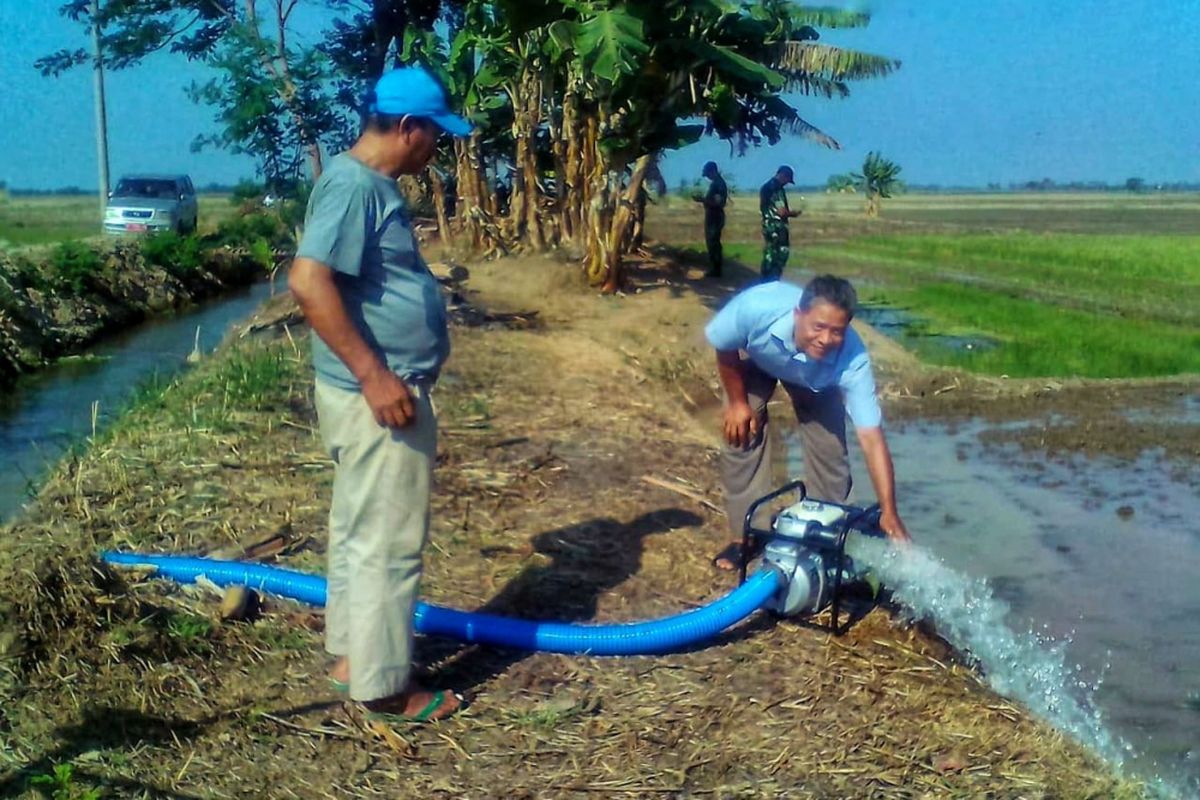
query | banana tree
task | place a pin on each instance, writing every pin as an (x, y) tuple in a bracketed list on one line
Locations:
[(878, 179), (840, 184), (590, 91), (652, 65)]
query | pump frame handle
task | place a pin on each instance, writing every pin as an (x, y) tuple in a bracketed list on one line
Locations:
[(749, 531), (851, 522)]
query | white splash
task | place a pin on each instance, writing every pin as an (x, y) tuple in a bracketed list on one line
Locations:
[(1028, 668)]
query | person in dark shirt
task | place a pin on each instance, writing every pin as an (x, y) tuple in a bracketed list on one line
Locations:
[(714, 217), (773, 203)]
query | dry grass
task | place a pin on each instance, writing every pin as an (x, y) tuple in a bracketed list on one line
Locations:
[(540, 512)]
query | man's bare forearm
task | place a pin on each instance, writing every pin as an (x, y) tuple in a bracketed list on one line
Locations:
[(311, 283), (732, 376), (879, 466)]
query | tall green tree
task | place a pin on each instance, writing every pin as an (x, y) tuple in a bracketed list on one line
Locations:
[(271, 95)]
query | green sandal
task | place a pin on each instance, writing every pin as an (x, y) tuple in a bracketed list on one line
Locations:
[(339, 686), (424, 715)]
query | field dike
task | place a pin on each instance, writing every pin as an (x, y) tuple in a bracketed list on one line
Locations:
[(550, 424), (59, 305)]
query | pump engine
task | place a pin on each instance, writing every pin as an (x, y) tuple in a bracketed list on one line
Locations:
[(806, 544)]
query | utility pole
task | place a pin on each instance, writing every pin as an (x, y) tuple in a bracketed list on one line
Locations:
[(101, 113)]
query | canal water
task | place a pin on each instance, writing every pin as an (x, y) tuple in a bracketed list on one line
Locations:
[(43, 414), (1072, 583)]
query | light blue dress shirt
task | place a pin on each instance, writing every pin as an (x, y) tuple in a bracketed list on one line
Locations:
[(760, 322)]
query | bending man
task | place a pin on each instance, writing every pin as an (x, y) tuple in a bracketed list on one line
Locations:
[(802, 339)]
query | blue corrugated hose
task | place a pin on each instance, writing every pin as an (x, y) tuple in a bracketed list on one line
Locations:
[(622, 639)]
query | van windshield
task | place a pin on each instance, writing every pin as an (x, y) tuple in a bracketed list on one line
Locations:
[(147, 187)]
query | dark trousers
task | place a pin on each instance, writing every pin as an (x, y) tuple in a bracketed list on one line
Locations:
[(713, 226), (746, 473)]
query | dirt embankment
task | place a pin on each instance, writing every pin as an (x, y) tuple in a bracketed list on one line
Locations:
[(542, 510), (49, 310)]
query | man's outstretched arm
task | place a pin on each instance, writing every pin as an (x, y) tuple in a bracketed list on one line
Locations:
[(883, 478), (740, 422)]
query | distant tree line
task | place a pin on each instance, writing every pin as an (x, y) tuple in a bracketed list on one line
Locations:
[(686, 187), (1135, 185)]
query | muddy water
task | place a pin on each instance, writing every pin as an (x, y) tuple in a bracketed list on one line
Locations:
[(44, 414), (1099, 556)]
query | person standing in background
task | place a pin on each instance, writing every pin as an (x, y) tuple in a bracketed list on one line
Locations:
[(773, 203), (714, 217)]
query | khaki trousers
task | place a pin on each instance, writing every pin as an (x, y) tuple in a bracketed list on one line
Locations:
[(378, 524), (746, 473)]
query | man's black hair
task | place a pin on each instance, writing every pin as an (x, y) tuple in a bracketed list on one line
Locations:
[(833, 290)]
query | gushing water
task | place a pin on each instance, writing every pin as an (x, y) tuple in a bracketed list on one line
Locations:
[(1028, 668)]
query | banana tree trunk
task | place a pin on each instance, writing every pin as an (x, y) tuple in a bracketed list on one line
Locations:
[(874, 201), (621, 228), (570, 169), (476, 200), (611, 220), (439, 206)]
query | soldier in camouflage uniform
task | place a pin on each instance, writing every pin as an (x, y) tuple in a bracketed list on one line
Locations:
[(773, 203), (714, 217)]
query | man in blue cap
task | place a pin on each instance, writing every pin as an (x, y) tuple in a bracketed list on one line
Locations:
[(381, 339)]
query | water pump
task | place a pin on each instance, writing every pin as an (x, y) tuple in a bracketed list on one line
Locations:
[(806, 544)]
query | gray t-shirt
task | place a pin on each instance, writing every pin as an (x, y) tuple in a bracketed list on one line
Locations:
[(358, 226)]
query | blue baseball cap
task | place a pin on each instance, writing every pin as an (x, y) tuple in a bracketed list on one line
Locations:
[(413, 91)]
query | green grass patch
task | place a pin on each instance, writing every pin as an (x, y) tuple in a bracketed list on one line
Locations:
[(275, 638), (190, 631), (179, 255), (1153, 277), (1055, 305), (45, 220), (219, 393), (60, 784), (1037, 340), (750, 254)]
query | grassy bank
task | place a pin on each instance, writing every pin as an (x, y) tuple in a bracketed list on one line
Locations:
[(541, 511), (1056, 305), (58, 300)]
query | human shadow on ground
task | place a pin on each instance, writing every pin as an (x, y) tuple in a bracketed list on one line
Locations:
[(105, 728), (587, 560), (680, 271)]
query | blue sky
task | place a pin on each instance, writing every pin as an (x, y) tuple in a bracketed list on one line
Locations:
[(1002, 91)]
